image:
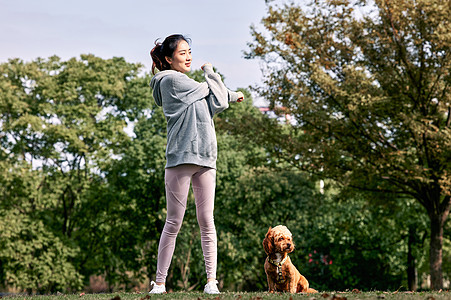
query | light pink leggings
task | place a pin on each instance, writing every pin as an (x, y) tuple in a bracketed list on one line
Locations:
[(177, 181)]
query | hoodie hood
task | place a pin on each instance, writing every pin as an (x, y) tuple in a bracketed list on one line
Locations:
[(155, 85)]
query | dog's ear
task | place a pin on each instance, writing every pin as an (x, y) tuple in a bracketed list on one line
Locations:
[(268, 242)]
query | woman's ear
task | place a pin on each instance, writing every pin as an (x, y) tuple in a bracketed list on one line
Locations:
[(268, 242), (168, 59)]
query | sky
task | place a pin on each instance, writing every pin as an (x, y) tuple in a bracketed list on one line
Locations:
[(219, 30)]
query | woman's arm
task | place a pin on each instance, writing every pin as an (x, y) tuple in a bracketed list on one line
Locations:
[(222, 95)]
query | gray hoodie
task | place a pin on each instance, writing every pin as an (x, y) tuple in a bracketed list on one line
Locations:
[(189, 107)]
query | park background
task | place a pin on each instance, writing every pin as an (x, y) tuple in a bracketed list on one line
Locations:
[(352, 152)]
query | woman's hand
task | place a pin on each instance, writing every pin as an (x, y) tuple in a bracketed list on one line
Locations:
[(240, 97), (209, 64)]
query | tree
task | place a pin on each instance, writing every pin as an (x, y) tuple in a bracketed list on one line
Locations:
[(32, 257), (63, 122), (339, 244), (368, 84), (137, 181)]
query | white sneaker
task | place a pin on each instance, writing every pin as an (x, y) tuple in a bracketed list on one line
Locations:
[(211, 287), (157, 289)]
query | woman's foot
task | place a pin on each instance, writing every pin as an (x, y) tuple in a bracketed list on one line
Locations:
[(211, 287), (157, 288)]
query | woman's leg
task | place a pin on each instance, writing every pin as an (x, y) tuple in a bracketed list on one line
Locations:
[(177, 182), (204, 183)]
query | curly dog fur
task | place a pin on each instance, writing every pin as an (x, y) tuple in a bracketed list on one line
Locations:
[(282, 275)]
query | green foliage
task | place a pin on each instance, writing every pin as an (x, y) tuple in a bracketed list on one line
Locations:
[(369, 87), (360, 245), (62, 126), (137, 181), (259, 200), (353, 88), (32, 257), (80, 197)]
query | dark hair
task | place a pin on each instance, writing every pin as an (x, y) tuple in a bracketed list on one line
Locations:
[(167, 48)]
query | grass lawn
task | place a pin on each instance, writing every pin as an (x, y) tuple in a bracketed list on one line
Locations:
[(243, 296)]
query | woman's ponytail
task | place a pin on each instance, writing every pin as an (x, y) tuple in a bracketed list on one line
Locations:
[(157, 58)]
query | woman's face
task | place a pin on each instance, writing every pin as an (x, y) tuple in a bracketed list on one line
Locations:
[(181, 58)]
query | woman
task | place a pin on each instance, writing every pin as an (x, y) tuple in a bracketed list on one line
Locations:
[(191, 151)]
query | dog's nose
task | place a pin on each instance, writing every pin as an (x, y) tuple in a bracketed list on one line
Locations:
[(288, 245)]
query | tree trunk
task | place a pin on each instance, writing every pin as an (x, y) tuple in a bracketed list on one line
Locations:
[(435, 251), (412, 275)]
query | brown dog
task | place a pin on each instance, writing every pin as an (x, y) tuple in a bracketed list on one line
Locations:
[(282, 275)]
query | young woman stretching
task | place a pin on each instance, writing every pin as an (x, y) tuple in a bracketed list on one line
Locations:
[(191, 151)]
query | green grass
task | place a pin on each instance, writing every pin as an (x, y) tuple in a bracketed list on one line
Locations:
[(243, 296)]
